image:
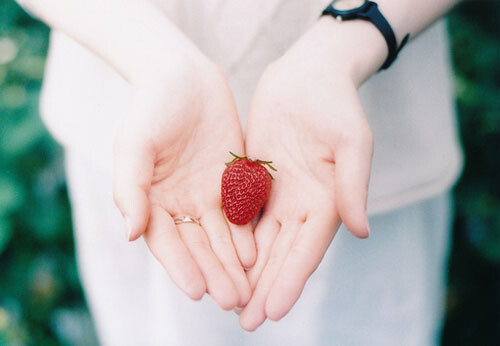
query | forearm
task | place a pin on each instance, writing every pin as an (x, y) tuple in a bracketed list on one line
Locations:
[(410, 16), (134, 37), (359, 46)]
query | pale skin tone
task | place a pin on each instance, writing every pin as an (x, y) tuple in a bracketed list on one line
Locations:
[(322, 146), (177, 172), (307, 116), (171, 148)]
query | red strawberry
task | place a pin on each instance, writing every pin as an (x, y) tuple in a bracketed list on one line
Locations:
[(246, 185)]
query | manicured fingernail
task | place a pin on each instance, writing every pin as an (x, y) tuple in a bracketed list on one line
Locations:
[(128, 227), (238, 310)]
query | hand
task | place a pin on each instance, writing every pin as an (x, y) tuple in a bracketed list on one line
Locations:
[(171, 148), (306, 117), (169, 158)]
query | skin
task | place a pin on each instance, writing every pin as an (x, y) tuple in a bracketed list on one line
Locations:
[(322, 147), (171, 148), (175, 169), (307, 117)]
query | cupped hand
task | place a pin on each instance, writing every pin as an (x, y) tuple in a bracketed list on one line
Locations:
[(306, 117), (169, 158)]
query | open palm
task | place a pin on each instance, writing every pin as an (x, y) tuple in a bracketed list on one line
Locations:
[(315, 132), (169, 159)]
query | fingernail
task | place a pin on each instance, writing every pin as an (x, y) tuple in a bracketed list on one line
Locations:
[(128, 227), (238, 310), (368, 227)]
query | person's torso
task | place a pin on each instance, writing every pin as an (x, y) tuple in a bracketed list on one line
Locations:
[(409, 107)]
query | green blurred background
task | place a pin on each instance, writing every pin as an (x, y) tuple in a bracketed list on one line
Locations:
[(41, 301)]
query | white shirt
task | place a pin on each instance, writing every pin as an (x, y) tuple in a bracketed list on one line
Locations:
[(409, 107), (383, 290)]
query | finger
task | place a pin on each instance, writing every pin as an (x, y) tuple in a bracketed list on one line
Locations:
[(302, 260), (265, 233), (254, 313), (352, 175), (244, 243), (133, 164), (164, 242), (219, 285), (217, 230)]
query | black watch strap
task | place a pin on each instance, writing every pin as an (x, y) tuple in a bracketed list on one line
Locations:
[(373, 14)]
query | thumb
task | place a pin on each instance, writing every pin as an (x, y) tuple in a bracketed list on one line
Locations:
[(133, 164), (352, 175)]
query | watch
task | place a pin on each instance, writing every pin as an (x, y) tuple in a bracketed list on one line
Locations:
[(367, 10)]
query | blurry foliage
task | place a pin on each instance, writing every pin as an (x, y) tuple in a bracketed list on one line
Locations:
[(476, 52), (38, 277), (41, 302), (473, 309)]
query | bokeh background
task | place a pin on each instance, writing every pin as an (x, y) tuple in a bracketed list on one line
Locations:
[(41, 300)]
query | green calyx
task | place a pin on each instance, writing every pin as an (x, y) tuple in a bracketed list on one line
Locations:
[(265, 163)]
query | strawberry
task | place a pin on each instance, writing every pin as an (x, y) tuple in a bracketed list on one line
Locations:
[(246, 185)]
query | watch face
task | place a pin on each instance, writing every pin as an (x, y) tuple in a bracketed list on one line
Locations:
[(347, 5)]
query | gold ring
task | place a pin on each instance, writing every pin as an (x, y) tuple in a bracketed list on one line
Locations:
[(186, 219)]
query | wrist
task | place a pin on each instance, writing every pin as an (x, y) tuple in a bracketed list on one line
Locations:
[(161, 64), (354, 46)]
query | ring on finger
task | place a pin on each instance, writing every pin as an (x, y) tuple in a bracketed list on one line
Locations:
[(186, 219)]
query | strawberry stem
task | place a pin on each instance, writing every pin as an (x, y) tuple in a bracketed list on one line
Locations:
[(262, 162), (236, 156), (268, 164), (271, 166)]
